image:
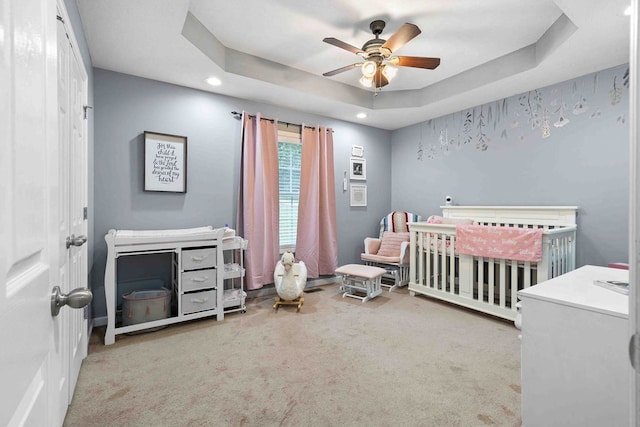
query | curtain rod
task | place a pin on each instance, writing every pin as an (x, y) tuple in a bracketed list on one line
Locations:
[(239, 116)]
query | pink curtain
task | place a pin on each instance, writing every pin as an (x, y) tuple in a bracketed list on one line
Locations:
[(258, 204), (317, 241)]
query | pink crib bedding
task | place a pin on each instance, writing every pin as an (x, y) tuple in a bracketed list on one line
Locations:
[(521, 244)]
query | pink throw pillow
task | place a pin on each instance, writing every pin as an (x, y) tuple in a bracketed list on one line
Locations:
[(391, 243)]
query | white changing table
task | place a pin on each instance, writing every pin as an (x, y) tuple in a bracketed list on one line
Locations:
[(197, 272)]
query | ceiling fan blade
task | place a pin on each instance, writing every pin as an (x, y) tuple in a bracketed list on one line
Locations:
[(341, 70), (417, 62), (342, 45), (401, 37)]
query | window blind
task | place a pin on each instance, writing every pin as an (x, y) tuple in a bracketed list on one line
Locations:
[(289, 157)]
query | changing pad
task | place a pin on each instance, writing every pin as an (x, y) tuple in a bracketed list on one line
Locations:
[(138, 237)]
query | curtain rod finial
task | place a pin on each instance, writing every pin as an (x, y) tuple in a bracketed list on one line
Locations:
[(236, 115)]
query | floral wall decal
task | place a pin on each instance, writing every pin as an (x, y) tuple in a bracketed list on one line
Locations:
[(615, 93), (561, 119), (539, 114), (482, 142)]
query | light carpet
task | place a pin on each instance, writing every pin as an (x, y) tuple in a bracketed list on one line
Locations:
[(394, 360)]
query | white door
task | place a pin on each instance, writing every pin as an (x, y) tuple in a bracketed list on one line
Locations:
[(60, 351), (70, 326), (634, 209), (28, 209), (36, 372), (77, 253)]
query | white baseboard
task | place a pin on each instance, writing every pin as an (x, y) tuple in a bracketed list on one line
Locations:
[(266, 291), (270, 290)]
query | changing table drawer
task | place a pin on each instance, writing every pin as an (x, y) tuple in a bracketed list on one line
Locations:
[(198, 301), (193, 259), (199, 279)]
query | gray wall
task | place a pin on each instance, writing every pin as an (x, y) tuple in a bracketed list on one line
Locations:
[(126, 106), (583, 163)]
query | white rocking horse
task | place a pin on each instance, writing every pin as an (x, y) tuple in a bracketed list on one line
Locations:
[(290, 278)]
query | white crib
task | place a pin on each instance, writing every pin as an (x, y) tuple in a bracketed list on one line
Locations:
[(485, 284)]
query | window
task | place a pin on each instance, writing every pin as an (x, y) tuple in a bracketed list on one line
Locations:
[(289, 155)]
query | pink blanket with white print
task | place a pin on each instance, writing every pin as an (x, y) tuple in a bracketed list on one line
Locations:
[(522, 244)]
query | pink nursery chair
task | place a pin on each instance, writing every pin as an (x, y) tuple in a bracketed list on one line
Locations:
[(390, 250)]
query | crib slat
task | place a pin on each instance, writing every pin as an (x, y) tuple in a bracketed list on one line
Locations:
[(412, 257), (554, 257), (558, 256), (572, 245), (514, 283), (443, 262), (480, 279), (435, 263), (421, 256), (425, 259), (573, 252), (465, 280), (565, 255), (550, 262), (503, 281), (491, 280), (452, 265), (560, 253), (527, 275), (433, 256)]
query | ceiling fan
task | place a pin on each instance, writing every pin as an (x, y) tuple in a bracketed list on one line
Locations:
[(379, 67)]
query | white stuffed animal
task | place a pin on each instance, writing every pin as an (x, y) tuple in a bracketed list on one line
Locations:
[(290, 277)]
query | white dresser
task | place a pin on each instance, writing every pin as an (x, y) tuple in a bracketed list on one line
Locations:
[(575, 364)]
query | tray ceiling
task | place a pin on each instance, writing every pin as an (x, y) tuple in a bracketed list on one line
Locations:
[(273, 52)]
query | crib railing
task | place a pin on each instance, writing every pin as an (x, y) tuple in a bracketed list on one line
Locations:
[(489, 285)]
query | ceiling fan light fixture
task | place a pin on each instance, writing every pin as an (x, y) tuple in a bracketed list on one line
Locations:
[(389, 71), (369, 69), (379, 66), (366, 81)]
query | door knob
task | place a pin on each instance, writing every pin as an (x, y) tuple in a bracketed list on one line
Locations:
[(77, 298), (76, 240)]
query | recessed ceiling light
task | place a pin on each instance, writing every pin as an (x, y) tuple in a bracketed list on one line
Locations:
[(213, 81), (627, 11), (361, 115)]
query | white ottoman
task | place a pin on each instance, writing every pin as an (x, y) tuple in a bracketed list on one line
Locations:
[(361, 279)]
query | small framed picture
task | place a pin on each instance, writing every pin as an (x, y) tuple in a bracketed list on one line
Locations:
[(165, 162), (358, 194), (358, 169), (357, 150)]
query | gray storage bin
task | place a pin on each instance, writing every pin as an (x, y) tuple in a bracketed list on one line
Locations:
[(139, 284), (145, 306)]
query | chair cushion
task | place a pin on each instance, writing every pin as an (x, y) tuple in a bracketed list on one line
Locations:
[(391, 242), (359, 270), (380, 259)]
